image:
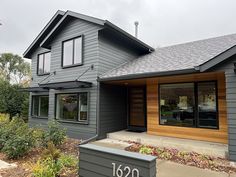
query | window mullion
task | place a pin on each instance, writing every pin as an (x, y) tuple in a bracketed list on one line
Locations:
[(78, 106), (73, 52), (196, 104)]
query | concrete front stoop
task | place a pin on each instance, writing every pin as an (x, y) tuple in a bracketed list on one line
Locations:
[(201, 147)]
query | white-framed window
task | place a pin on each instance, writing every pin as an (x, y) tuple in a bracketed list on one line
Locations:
[(72, 52)]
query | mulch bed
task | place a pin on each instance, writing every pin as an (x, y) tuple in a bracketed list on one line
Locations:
[(186, 158), (23, 164)]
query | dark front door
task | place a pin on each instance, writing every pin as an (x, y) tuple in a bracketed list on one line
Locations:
[(137, 109)]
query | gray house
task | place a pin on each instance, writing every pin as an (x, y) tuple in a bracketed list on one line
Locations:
[(95, 78)]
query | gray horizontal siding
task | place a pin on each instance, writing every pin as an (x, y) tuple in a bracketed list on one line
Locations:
[(113, 109), (230, 78), (73, 28), (113, 53), (97, 161)]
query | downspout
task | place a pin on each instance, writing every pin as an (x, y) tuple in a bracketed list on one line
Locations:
[(97, 118)]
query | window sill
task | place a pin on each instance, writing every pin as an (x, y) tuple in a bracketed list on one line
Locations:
[(43, 74), (36, 117), (71, 66), (72, 122)]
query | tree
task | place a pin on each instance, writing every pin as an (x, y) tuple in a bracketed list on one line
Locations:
[(14, 68), (12, 101)]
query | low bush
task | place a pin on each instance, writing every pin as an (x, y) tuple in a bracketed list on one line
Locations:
[(53, 162), (16, 138), (55, 134), (4, 118), (145, 150)]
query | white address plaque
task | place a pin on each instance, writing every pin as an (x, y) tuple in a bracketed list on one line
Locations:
[(124, 171)]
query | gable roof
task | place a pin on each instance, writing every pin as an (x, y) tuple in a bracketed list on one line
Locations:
[(97, 21), (197, 56), (54, 20)]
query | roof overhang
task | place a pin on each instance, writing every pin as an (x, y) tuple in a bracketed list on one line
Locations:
[(50, 25), (216, 60), (33, 89), (66, 85), (148, 75)]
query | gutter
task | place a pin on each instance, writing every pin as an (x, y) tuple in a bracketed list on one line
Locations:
[(148, 75), (97, 120)]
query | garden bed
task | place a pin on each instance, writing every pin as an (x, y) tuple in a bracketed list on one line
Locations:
[(186, 158), (23, 168)]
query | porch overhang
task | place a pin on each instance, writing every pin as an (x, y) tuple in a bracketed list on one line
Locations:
[(33, 89), (66, 85), (149, 75)]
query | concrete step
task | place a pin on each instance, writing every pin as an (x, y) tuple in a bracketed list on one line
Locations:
[(201, 147), (112, 143)]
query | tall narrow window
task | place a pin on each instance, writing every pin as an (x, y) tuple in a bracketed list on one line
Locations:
[(72, 52), (40, 106), (189, 104), (207, 111), (44, 62), (72, 106)]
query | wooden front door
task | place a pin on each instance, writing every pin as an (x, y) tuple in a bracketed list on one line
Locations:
[(137, 109)]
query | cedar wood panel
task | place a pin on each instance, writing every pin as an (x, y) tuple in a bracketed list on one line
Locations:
[(220, 135)]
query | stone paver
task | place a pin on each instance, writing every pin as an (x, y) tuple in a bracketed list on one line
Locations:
[(5, 165), (112, 143)]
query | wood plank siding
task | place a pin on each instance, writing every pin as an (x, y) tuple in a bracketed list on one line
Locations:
[(212, 135)]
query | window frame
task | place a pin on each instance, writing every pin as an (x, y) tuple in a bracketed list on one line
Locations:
[(77, 121), (32, 107), (196, 113), (73, 52), (45, 73)]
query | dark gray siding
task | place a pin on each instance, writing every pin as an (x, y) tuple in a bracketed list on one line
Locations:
[(113, 52), (113, 109), (230, 77), (96, 161), (71, 29), (113, 103)]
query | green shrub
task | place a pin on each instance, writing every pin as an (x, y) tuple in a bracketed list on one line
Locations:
[(52, 163), (16, 138), (68, 161), (145, 150), (4, 118), (51, 152), (46, 168), (55, 134)]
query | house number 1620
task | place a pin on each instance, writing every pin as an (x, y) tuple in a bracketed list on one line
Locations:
[(120, 171)]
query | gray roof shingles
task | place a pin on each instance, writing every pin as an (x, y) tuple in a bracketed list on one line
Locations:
[(176, 57)]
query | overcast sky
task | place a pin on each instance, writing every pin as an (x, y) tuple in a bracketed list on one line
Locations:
[(161, 22)]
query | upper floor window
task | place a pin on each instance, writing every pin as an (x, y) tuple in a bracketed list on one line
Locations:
[(72, 52), (44, 61)]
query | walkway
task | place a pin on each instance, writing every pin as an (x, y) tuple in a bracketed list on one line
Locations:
[(201, 147)]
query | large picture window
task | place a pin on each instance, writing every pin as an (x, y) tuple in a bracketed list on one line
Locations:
[(40, 106), (72, 52), (44, 61), (189, 104), (72, 107)]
